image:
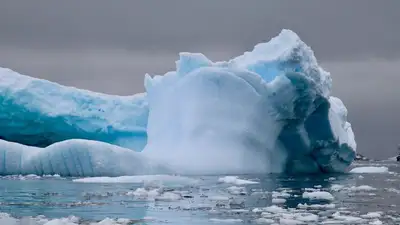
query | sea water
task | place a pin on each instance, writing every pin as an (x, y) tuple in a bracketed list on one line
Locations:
[(351, 198)]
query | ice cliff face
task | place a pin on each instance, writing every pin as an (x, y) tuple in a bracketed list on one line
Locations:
[(39, 113), (269, 110)]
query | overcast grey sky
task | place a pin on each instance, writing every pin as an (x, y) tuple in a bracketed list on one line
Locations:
[(108, 46)]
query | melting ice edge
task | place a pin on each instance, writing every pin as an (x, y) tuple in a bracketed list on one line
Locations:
[(267, 111)]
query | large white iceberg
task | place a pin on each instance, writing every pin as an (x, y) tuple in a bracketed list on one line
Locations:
[(268, 110)]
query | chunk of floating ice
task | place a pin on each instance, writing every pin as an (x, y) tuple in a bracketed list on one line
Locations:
[(347, 219), (362, 188), (154, 195), (219, 198), (274, 209), (235, 180), (145, 194), (285, 221), (283, 194), (336, 187), (264, 221), (168, 196), (306, 217), (165, 179), (370, 169), (234, 190), (278, 200), (316, 206), (6, 219), (372, 215), (226, 220), (376, 222), (323, 195)]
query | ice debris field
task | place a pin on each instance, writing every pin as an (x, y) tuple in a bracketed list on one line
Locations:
[(351, 198), (268, 110)]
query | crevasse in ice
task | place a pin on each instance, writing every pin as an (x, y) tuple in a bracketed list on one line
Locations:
[(268, 110)]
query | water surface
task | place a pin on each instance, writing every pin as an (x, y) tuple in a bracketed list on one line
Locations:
[(206, 199)]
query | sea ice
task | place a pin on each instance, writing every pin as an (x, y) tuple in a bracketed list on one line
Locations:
[(370, 169), (323, 195), (6, 219), (268, 110), (226, 220), (166, 180), (235, 180)]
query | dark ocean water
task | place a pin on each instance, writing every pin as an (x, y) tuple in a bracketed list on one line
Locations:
[(370, 198)]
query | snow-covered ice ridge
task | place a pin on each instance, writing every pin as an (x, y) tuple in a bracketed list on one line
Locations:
[(268, 110)]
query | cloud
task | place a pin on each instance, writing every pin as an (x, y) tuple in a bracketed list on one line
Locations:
[(335, 30)]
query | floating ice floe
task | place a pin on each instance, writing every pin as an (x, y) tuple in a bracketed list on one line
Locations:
[(145, 179), (370, 169), (321, 195), (235, 180), (7, 219)]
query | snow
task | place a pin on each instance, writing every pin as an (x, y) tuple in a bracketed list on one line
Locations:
[(370, 169), (268, 110), (322, 195)]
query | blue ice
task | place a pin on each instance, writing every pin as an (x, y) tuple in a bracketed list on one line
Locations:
[(268, 110)]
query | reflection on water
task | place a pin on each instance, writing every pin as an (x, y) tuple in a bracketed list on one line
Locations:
[(208, 200)]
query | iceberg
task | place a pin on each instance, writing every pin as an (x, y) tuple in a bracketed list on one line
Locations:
[(74, 158), (268, 110)]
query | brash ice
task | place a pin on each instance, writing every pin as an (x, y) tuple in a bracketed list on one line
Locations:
[(268, 110)]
